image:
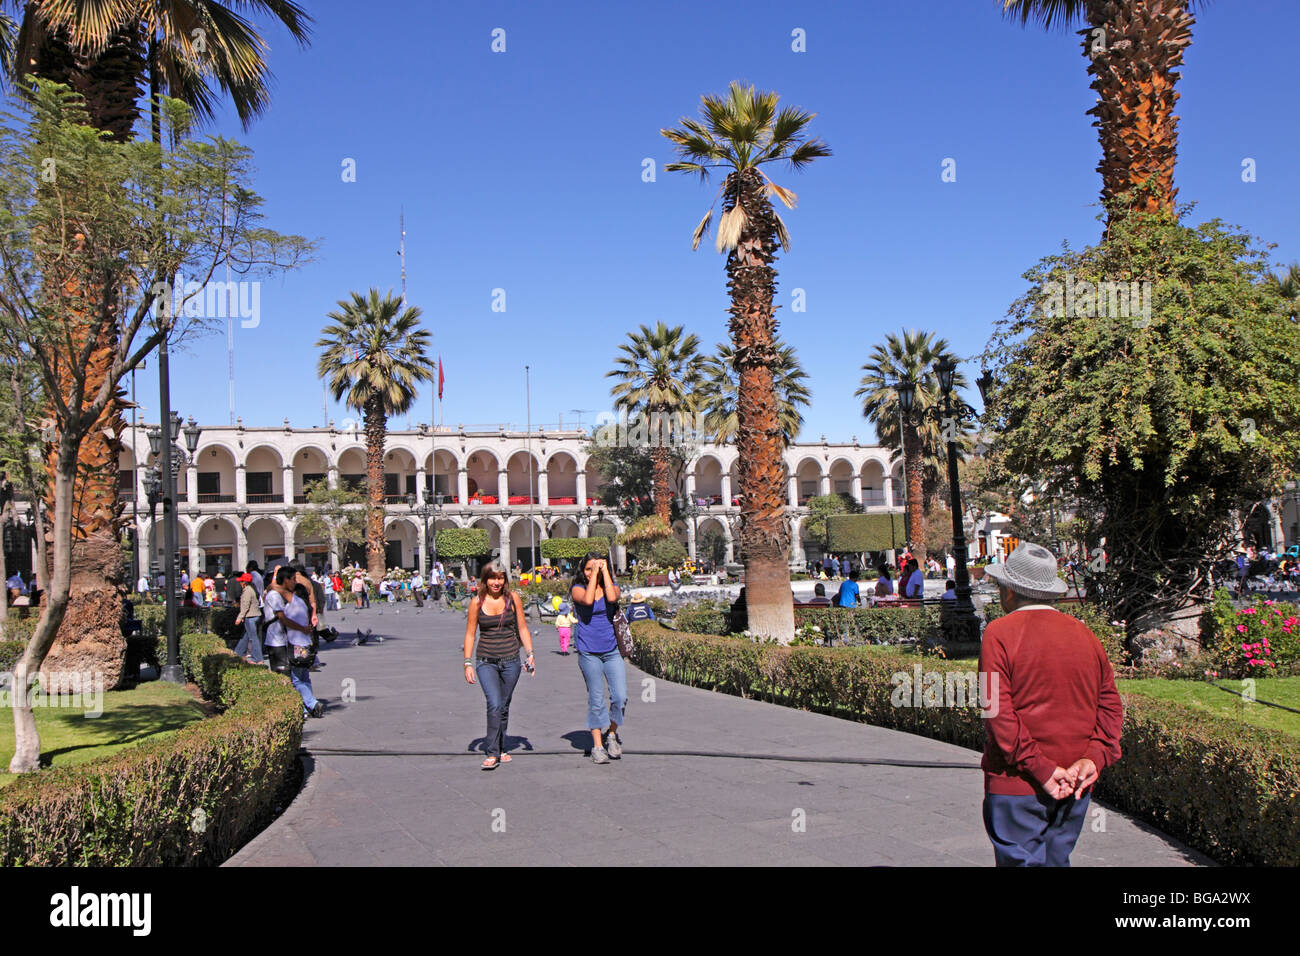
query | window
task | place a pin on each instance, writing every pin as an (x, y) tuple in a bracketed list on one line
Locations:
[(309, 479), (353, 482), (843, 486), (410, 484), (209, 483), (125, 479), (390, 484), (259, 483)]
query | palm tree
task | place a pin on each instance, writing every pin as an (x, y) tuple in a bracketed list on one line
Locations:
[(375, 356), (910, 358), (740, 133), (659, 372), (1287, 285), (1135, 48), (721, 420)]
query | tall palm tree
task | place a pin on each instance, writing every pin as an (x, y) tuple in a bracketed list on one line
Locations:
[(741, 133), (373, 356), (911, 358), (659, 372), (721, 419), (1135, 48)]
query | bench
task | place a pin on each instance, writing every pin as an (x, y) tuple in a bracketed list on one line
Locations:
[(656, 580)]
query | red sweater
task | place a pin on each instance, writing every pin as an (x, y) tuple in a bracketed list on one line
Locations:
[(1056, 700)]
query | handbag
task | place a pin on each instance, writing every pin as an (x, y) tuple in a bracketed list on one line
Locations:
[(623, 634), (302, 656), (279, 659)]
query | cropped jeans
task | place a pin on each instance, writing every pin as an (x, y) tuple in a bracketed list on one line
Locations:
[(497, 677), (599, 670), (300, 677)]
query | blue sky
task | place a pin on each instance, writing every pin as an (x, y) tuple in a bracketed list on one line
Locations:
[(522, 171)]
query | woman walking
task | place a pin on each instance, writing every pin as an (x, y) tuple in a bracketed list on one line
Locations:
[(595, 602), (250, 645), (498, 616)]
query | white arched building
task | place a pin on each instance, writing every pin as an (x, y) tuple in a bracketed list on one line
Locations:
[(238, 491)]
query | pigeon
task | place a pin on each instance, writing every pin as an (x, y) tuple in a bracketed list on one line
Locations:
[(378, 640), (360, 638)]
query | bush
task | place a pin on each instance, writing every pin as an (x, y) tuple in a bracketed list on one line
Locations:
[(192, 797), (1236, 799), (1256, 641), (875, 625), (10, 651), (668, 553), (573, 549), (1110, 635), (704, 617), (456, 543)]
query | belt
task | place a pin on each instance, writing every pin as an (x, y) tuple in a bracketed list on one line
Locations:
[(499, 660)]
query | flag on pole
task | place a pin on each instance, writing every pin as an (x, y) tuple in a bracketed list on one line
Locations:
[(441, 378)]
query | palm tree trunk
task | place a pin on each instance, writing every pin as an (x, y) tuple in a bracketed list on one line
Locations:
[(661, 460), (376, 434), (1135, 48), (913, 455), (765, 528)]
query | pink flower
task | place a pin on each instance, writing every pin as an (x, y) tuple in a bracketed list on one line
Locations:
[(1241, 629)]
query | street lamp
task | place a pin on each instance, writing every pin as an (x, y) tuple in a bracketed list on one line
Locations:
[(423, 510), (965, 624), (1293, 494)]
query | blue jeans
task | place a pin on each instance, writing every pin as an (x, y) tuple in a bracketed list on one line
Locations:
[(599, 670), (250, 644), (1033, 830), (497, 677), (300, 677)]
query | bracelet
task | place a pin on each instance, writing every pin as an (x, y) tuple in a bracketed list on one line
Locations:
[(468, 662)]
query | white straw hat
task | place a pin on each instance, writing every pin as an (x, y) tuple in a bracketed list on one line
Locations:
[(1030, 570)]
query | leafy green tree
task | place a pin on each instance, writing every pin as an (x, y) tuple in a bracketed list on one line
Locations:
[(659, 374), (375, 355), (628, 477), (136, 217), (332, 514), (820, 507), (1164, 426), (712, 544)]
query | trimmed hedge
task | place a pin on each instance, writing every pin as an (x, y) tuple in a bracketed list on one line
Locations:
[(572, 549), (455, 544), (1237, 797), (879, 531), (190, 798)]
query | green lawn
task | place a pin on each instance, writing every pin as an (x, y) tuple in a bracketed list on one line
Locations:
[(68, 736), (1199, 695)]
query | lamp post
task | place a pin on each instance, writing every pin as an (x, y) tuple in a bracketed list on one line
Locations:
[(1293, 495), (906, 390), (170, 459), (965, 623), (423, 510)]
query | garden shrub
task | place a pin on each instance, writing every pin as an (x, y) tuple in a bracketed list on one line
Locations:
[(190, 798), (10, 651), (1260, 640), (704, 617), (1237, 797)]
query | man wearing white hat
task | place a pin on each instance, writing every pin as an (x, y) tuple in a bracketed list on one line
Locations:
[(1056, 722)]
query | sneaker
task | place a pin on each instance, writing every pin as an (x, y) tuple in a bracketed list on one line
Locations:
[(612, 745), (319, 709), (598, 755)]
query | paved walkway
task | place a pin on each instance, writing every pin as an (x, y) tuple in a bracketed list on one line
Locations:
[(823, 791)]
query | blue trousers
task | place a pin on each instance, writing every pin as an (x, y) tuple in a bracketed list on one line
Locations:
[(300, 677), (250, 643), (599, 670), (498, 678), (1033, 830)]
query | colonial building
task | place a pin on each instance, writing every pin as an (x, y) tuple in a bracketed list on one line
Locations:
[(239, 492)]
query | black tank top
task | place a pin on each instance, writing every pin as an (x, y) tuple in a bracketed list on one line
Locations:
[(498, 634)]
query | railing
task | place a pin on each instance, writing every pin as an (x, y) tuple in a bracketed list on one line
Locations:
[(216, 499), (300, 499), (265, 499)]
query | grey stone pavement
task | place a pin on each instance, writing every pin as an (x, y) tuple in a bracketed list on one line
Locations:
[(902, 800)]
